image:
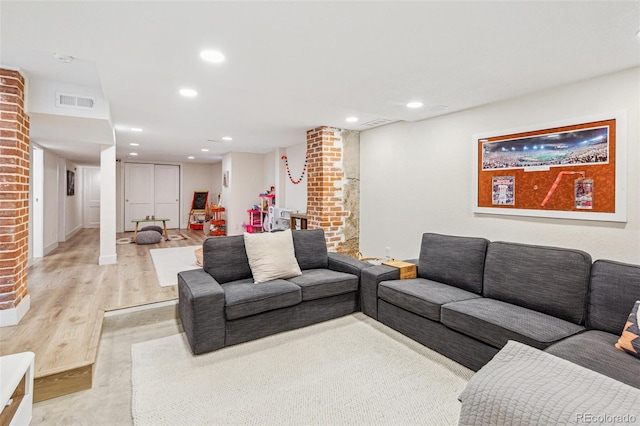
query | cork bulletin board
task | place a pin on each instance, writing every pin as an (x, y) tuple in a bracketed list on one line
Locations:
[(572, 169)]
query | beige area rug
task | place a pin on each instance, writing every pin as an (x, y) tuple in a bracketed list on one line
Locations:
[(351, 370), (169, 261)]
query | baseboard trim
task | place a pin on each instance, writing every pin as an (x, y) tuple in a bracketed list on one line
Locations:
[(9, 317), (108, 260), (51, 247)]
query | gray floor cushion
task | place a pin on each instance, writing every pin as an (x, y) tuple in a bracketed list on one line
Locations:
[(156, 228), (318, 283), (494, 323), (148, 237), (244, 297), (421, 296), (594, 349)]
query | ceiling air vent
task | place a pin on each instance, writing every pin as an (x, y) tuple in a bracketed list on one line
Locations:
[(68, 100), (377, 122)]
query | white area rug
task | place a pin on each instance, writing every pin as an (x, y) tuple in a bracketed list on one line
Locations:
[(169, 261), (351, 370)]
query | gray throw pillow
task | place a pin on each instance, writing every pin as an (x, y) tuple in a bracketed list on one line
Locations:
[(152, 228)]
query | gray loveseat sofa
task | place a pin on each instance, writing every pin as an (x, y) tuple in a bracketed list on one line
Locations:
[(219, 305), (472, 296)]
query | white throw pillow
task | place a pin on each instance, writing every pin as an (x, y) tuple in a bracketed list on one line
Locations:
[(271, 255)]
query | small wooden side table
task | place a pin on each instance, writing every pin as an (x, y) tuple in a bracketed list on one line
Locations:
[(294, 219), (407, 270), (164, 224), (16, 388)]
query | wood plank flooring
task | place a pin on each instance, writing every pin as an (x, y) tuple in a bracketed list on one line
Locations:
[(69, 294)]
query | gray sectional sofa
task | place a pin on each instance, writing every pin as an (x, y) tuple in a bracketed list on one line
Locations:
[(219, 305), (472, 296)]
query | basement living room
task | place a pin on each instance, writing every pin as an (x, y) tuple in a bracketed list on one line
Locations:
[(504, 122)]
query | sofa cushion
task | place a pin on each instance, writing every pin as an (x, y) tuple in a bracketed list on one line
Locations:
[(629, 342), (494, 323), (457, 261), (319, 283), (310, 248), (225, 258), (421, 296), (594, 349), (244, 297), (551, 280), (271, 255), (615, 287)]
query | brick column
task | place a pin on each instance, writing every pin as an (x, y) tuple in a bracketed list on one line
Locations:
[(14, 196), (333, 190)]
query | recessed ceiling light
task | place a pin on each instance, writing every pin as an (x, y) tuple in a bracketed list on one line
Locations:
[(212, 56), (136, 129), (188, 93), (133, 154), (204, 150), (134, 144), (416, 104), (351, 119), (227, 138), (190, 157)]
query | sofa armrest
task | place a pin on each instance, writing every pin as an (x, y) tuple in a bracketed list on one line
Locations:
[(201, 308), (369, 281), (343, 263)]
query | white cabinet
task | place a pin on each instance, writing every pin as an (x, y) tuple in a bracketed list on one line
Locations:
[(16, 388)]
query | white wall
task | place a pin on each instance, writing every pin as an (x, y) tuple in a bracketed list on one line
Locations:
[(73, 203), (296, 195), (416, 177), (246, 182), (50, 202), (199, 177)]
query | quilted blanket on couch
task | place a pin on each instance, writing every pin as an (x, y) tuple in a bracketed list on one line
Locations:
[(522, 385)]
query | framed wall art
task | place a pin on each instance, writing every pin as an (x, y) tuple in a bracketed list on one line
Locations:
[(572, 169), (71, 183)]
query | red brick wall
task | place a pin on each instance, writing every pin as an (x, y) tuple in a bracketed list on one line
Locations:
[(14, 189), (325, 188)]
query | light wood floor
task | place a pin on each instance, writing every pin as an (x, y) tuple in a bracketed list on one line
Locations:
[(69, 293)]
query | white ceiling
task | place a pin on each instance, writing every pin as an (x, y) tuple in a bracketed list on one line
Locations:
[(296, 65)]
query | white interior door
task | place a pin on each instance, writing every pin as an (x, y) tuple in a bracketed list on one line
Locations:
[(167, 194), (139, 194), (38, 202), (91, 184)]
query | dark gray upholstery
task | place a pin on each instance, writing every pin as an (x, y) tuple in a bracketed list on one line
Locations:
[(551, 280), (369, 280), (201, 309), (495, 322), (615, 287), (457, 261), (310, 248), (421, 296), (225, 258), (318, 283), (463, 349), (296, 316), (148, 237), (595, 350), (244, 297), (220, 304)]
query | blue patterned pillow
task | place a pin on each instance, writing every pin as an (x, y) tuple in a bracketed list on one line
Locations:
[(629, 342)]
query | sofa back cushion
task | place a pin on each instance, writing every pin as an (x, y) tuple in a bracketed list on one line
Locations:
[(456, 261), (225, 258), (551, 280), (615, 287), (311, 248)]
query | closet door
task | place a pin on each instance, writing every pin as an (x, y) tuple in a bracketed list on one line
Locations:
[(139, 193), (167, 194)]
